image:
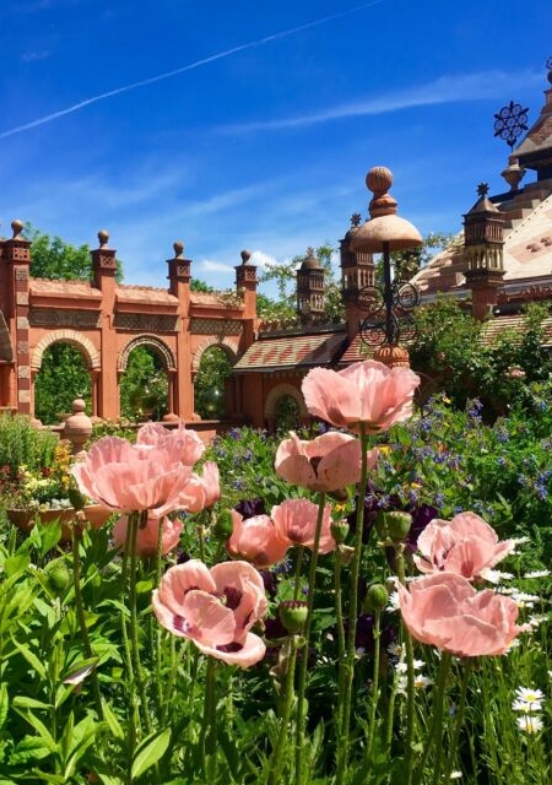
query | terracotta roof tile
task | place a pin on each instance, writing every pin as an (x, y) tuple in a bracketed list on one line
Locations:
[(291, 351), (44, 287), (144, 294)]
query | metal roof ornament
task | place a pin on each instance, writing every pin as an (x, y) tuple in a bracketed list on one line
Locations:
[(510, 122)]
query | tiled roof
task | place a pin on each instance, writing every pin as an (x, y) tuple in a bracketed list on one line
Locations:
[(58, 288), (493, 327), (144, 294), (356, 352), (291, 351)]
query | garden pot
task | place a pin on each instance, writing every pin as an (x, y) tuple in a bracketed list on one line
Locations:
[(25, 519)]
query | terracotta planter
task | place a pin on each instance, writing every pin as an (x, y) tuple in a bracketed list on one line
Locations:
[(25, 519)]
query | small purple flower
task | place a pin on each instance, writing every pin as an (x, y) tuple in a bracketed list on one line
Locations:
[(250, 507)]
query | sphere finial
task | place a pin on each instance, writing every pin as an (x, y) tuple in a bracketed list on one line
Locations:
[(178, 247), (103, 237), (245, 256), (17, 227)]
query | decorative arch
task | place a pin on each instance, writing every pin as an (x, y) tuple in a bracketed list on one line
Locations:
[(147, 340), (230, 346), (72, 337), (279, 392)]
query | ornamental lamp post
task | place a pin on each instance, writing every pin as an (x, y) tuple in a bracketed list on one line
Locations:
[(388, 309)]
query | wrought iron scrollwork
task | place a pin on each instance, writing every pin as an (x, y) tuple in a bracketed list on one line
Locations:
[(388, 325)]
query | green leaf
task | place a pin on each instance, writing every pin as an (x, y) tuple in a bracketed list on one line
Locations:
[(29, 748), (51, 535), (4, 703), (24, 702), (31, 658), (149, 752), (112, 721), (16, 564)]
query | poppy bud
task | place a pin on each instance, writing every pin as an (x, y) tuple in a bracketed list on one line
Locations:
[(376, 598), (58, 575), (339, 530), (293, 615), (224, 526), (397, 524), (77, 499)]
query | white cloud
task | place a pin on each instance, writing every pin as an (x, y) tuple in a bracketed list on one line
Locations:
[(29, 57), (209, 265), (262, 259), (444, 90)]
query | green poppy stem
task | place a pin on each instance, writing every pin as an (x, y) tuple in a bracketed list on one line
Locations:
[(410, 675), (278, 758), (134, 519), (459, 720), (302, 681), (435, 735), (208, 739), (375, 689), (346, 666)]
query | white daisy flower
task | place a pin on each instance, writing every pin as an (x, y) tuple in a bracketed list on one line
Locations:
[(496, 576), (393, 602), (538, 574), (526, 708), (529, 724), (455, 775), (529, 695)]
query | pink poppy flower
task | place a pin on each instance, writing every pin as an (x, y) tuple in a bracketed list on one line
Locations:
[(465, 545), (125, 477), (295, 521), (256, 540), (366, 392), (325, 464), (154, 434), (202, 490), (215, 608), (444, 610), (146, 537)]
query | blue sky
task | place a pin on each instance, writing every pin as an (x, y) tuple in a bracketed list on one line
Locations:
[(263, 136)]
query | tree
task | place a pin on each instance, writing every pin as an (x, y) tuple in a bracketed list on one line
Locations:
[(63, 377), (285, 276), (53, 258), (209, 386), (144, 386)]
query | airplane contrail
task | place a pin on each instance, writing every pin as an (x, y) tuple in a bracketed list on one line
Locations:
[(168, 74)]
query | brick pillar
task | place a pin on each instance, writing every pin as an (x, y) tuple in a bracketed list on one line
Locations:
[(181, 388), (104, 268), (246, 281), (15, 262)]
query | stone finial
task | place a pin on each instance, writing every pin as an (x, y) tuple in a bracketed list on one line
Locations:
[(379, 180), (178, 247), (356, 219), (245, 256), (103, 237), (513, 174), (17, 227), (549, 68), (78, 426), (483, 189)]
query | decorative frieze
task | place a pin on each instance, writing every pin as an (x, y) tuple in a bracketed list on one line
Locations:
[(146, 322), (216, 327), (21, 273), (58, 317)]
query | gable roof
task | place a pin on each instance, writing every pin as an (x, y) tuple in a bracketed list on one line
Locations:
[(270, 354)]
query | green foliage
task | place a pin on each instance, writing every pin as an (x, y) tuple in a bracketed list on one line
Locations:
[(453, 348), (285, 276), (63, 377), (209, 384), (144, 386), (52, 257), (21, 444)]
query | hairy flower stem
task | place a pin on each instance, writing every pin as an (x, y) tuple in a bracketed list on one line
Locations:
[(298, 566), (375, 690), (302, 681), (208, 738), (88, 651), (134, 719), (134, 519), (435, 735), (410, 675), (278, 758), (347, 664), (339, 619), (159, 630), (459, 721)]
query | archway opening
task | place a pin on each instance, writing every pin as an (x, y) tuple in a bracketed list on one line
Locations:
[(215, 368), (286, 414), (63, 376), (144, 386)]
